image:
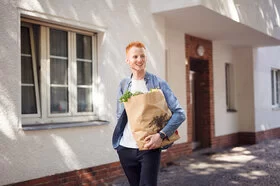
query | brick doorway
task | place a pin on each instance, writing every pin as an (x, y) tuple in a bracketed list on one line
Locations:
[(199, 80)]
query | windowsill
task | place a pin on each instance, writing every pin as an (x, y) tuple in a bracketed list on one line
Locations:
[(47, 126), (276, 108), (231, 110)]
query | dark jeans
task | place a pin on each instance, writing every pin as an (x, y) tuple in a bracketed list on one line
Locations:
[(140, 167)]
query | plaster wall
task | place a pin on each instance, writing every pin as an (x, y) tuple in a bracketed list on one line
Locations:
[(265, 59), (27, 155), (176, 73)]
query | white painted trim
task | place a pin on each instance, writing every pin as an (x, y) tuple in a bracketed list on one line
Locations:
[(73, 72), (84, 60), (56, 85), (26, 55), (44, 73), (58, 57), (28, 85), (84, 86), (76, 25), (60, 119), (95, 72)]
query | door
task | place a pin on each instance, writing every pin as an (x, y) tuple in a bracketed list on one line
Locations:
[(199, 86)]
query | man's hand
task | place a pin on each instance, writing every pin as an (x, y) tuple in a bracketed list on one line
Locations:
[(153, 141)]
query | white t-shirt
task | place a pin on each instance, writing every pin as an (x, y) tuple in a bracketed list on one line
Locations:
[(127, 139)]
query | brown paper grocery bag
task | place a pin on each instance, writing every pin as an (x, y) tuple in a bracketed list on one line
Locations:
[(147, 114)]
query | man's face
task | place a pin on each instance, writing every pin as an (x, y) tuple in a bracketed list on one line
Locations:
[(136, 58)]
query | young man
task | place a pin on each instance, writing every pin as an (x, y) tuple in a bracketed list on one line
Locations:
[(141, 167)]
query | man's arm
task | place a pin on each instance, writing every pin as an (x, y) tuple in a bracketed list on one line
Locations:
[(178, 114)]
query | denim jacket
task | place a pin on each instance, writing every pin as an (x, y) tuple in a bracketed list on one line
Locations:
[(152, 81)]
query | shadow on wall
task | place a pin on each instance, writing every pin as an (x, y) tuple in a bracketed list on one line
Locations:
[(268, 11)]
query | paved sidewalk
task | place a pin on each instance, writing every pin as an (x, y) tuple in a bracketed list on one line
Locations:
[(245, 165)]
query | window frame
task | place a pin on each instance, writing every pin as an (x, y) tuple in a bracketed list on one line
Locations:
[(230, 87), (275, 88), (35, 73), (45, 116)]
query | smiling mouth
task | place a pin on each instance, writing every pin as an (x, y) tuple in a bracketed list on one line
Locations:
[(139, 64)]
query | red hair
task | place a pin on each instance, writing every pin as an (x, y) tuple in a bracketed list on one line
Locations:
[(137, 44)]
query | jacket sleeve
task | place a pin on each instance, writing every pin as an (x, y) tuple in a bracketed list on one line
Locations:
[(178, 114)]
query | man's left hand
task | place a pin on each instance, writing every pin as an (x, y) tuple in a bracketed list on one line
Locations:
[(153, 141)]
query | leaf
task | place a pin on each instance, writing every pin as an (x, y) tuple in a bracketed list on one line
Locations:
[(128, 94)]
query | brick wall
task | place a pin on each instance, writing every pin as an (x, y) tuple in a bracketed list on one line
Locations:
[(98, 175), (225, 141), (268, 134), (207, 105), (103, 174), (175, 152), (244, 138)]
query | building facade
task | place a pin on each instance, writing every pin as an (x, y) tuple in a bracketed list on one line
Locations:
[(61, 63)]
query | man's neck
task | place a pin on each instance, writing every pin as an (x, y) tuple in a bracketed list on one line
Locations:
[(138, 75)]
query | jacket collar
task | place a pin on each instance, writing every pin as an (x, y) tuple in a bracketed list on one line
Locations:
[(146, 78)]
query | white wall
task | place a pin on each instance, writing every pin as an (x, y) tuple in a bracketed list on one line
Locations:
[(165, 5), (176, 73), (243, 58), (31, 154), (262, 15), (242, 61), (265, 59), (225, 122)]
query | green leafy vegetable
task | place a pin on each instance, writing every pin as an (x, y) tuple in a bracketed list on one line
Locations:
[(128, 94), (137, 93)]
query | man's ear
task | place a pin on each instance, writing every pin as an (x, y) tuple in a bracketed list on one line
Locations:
[(126, 60)]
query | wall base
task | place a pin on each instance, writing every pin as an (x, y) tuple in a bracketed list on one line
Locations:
[(244, 138), (103, 174)]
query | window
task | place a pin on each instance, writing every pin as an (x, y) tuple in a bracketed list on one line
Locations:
[(230, 100), (275, 87), (58, 68)]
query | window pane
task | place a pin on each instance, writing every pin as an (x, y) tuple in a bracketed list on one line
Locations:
[(58, 43), (59, 100), (36, 36), (272, 88), (59, 71), (83, 47), (85, 100), (26, 70), (28, 101), (25, 41), (84, 73)]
